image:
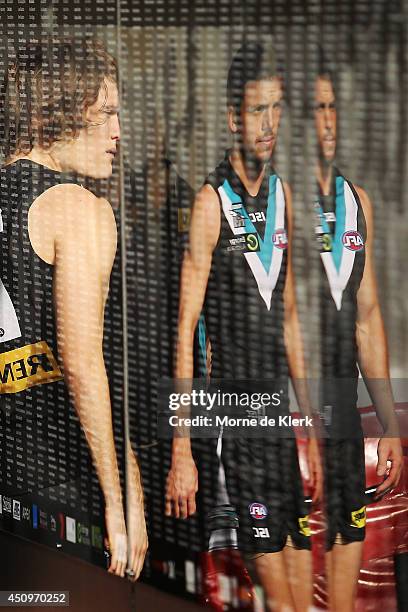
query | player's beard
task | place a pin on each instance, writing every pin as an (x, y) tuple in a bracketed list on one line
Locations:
[(253, 164)]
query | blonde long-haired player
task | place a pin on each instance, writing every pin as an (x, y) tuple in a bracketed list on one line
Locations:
[(60, 121)]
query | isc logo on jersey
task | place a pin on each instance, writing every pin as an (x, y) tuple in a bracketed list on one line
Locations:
[(257, 216), (258, 511), (261, 532), (280, 239), (353, 240)]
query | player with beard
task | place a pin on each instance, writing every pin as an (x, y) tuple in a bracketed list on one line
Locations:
[(60, 122), (239, 269), (352, 332)]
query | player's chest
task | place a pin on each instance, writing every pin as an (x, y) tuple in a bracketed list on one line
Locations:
[(340, 234)]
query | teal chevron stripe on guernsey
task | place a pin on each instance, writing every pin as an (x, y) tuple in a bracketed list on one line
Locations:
[(340, 261), (234, 197), (202, 342), (265, 252), (337, 247), (266, 263)]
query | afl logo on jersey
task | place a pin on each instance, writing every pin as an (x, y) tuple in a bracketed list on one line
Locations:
[(280, 239), (258, 511), (353, 241)]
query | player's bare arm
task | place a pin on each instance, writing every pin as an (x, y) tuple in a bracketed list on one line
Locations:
[(182, 480), (373, 360), (82, 248), (135, 520)]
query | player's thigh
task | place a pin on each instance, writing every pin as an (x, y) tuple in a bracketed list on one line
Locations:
[(346, 563), (269, 570), (298, 564)]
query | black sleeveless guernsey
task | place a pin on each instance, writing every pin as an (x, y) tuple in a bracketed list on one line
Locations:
[(341, 235), (39, 431), (244, 317), (244, 309)]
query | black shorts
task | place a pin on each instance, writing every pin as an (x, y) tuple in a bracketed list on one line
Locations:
[(344, 463), (265, 488)]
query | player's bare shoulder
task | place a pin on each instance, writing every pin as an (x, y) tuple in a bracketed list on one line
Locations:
[(207, 201), (286, 189), (70, 213), (73, 204), (367, 207), (287, 192), (206, 217)]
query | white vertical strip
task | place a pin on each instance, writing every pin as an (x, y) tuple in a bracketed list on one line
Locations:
[(9, 325)]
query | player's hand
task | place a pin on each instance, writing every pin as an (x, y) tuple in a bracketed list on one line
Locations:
[(117, 539), (137, 533), (389, 451), (181, 486), (315, 469)]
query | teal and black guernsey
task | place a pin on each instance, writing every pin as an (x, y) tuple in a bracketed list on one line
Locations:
[(244, 310), (341, 236), (244, 314)]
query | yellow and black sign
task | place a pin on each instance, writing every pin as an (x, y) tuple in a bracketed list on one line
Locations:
[(28, 366), (358, 517), (304, 525)]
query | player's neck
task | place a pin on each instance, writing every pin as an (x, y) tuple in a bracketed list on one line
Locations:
[(250, 171), (38, 156), (324, 176)]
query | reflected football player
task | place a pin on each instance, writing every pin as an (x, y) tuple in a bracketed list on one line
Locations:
[(238, 269), (352, 332), (60, 122)]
